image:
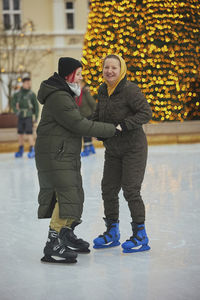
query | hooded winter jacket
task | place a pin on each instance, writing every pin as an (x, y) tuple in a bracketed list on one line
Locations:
[(58, 147)]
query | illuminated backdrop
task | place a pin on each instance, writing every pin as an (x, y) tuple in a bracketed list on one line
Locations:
[(160, 42)]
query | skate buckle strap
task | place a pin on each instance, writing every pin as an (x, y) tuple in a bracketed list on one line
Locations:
[(132, 239), (53, 233), (107, 233), (135, 235)]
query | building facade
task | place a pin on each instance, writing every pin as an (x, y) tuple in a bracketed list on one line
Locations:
[(60, 24)]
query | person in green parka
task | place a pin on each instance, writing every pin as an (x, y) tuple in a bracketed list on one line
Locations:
[(24, 104), (122, 102), (57, 149)]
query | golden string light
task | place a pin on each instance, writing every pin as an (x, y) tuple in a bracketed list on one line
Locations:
[(160, 42)]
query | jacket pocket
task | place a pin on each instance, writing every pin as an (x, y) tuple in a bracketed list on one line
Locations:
[(60, 151)]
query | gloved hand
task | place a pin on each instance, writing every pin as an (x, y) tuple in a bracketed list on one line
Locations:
[(118, 127), (123, 126), (117, 133), (118, 130)]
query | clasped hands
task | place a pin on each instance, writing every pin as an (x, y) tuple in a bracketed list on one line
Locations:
[(119, 128)]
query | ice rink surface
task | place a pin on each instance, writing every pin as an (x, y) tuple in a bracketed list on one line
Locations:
[(169, 271)]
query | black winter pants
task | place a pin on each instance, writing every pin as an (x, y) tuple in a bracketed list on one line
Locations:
[(124, 170)]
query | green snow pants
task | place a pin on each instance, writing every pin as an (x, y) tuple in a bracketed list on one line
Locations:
[(124, 168)]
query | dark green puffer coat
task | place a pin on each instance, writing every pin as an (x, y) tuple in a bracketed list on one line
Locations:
[(58, 147)]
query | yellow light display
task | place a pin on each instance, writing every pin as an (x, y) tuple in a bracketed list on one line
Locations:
[(160, 42)]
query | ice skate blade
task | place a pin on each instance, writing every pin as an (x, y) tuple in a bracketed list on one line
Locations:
[(114, 244), (49, 259), (132, 250)]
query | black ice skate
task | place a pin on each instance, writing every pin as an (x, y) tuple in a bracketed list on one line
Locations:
[(56, 252), (71, 241)]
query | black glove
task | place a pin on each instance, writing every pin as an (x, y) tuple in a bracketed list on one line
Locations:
[(118, 132), (123, 126)]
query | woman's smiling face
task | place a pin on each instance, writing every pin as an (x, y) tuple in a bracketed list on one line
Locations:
[(111, 70)]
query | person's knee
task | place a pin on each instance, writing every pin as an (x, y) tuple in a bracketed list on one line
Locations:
[(131, 192), (110, 189)]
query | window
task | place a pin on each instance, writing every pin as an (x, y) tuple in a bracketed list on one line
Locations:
[(11, 14), (69, 9)]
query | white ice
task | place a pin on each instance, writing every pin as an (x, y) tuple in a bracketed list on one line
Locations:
[(170, 270)]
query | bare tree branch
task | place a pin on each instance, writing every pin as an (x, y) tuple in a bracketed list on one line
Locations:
[(18, 55)]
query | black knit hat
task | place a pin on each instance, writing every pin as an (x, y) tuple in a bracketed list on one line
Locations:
[(66, 65)]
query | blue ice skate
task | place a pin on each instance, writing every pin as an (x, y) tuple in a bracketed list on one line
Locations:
[(31, 153), (138, 241), (92, 149), (20, 152), (110, 238), (85, 152)]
